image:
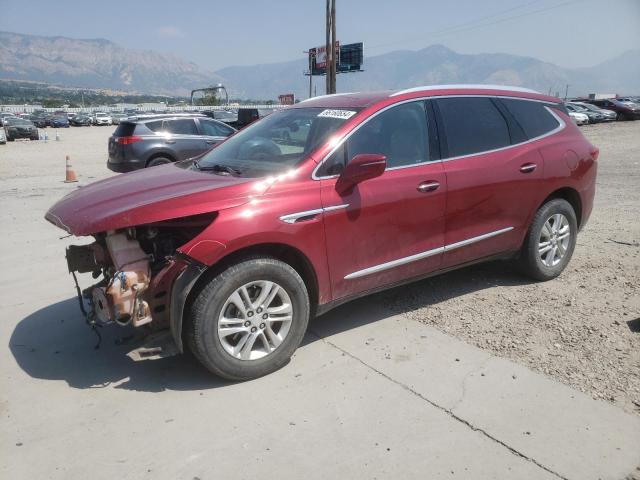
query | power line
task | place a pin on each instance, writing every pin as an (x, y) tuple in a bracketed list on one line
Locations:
[(465, 26)]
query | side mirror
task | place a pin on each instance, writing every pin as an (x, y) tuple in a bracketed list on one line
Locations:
[(361, 167)]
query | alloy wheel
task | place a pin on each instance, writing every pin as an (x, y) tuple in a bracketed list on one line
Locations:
[(555, 237), (255, 320)]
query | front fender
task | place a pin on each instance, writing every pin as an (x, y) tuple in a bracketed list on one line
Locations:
[(182, 286)]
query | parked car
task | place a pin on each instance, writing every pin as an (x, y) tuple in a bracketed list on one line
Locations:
[(38, 120), (158, 140), (224, 116), (81, 120), (20, 128), (246, 116), (101, 118), (623, 111), (117, 117), (607, 115), (578, 118), (60, 121), (628, 100), (3, 137), (4, 116), (235, 250), (592, 117)]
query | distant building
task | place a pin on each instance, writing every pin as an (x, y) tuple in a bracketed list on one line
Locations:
[(286, 99), (601, 96)]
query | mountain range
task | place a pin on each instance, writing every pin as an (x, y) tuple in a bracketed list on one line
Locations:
[(99, 63)]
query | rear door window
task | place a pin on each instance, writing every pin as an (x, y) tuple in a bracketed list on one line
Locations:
[(532, 116), (184, 126), (472, 125)]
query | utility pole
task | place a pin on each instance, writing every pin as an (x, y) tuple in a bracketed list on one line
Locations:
[(566, 92), (310, 72), (330, 67), (333, 44)]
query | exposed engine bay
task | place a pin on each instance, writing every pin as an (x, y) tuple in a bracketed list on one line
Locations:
[(134, 268)]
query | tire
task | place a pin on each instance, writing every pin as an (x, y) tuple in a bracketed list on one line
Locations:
[(544, 267), (154, 162), (10, 139), (202, 324)]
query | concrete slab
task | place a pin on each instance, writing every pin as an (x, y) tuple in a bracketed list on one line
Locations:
[(72, 412), (555, 426)]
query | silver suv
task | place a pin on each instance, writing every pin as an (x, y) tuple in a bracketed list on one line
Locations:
[(156, 140)]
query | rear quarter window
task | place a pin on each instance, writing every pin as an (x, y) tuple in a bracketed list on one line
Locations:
[(532, 116)]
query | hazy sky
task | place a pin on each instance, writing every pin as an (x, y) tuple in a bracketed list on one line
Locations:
[(216, 34)]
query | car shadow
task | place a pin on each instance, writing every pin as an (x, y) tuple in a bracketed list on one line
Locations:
[(54, 343)]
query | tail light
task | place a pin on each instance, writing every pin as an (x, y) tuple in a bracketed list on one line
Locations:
[(128, 140), (595, 152)]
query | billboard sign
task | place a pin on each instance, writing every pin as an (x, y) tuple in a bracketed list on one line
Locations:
[(286, 99), (349, 58)]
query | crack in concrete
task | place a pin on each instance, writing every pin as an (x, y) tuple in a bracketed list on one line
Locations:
[(448, 411), (464, 382)]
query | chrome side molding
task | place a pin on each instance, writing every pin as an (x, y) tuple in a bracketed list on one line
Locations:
[(294, 217), (428, 253), (394, 263)]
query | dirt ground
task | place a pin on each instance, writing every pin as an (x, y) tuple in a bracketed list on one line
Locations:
[(582, 329)]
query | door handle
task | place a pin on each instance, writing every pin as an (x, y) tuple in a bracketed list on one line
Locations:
[(211, 142), (528, 167), (170, 141), (429, 186)]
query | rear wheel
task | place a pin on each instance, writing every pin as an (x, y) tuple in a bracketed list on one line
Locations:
[(249, 319), (154, 162), (550, 241)]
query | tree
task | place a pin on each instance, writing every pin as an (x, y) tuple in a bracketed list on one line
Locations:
[(209, 99)]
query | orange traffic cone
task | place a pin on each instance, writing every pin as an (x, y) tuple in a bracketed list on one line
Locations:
[(71, 175)]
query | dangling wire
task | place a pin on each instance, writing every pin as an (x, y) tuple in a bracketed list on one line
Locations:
[(90, 321)]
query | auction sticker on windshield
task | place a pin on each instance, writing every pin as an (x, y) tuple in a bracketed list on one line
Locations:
[(342, 114)]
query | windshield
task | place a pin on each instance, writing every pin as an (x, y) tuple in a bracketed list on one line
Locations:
[(16, 121), (276, 143), (578, 108)]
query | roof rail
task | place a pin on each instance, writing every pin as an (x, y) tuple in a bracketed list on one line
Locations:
[(464, 86), (326, 96)]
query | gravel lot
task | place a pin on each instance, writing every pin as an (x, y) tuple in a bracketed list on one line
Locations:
[(582, 329)]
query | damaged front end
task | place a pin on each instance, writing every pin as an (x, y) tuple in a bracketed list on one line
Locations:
[(136, 268)]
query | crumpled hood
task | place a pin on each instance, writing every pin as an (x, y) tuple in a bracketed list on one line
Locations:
[(147, 196)]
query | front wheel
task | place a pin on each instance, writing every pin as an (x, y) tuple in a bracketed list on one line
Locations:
[(550, 241), (248, 320)]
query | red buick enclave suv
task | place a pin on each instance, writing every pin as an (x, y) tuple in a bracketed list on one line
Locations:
[(330, 199)]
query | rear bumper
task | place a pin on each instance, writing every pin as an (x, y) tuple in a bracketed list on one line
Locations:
[(125, 166)]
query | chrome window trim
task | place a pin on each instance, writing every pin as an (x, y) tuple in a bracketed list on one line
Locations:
[(419, 256), (561, 126), (292, 217)]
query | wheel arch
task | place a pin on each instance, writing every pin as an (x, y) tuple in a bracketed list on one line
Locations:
[(569, 194), (280, 251), (156, 154)]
